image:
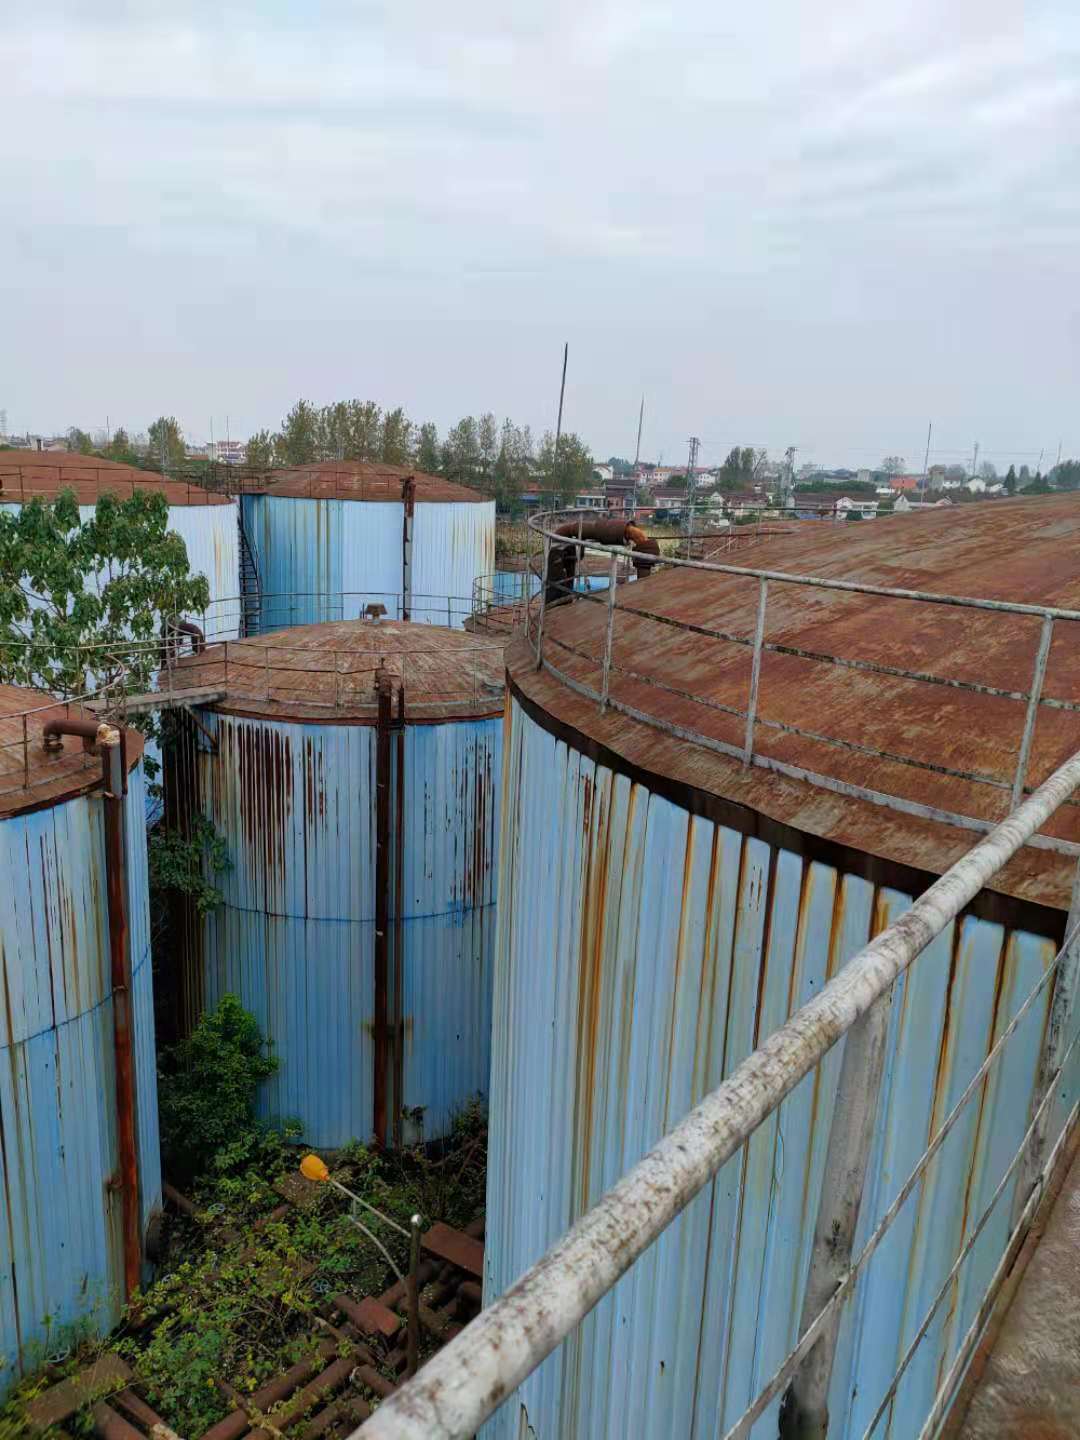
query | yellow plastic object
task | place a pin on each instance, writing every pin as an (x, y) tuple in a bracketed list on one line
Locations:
[(313, 1168)]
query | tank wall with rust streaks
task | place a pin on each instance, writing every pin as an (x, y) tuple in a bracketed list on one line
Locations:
[(311, 553), (60, 1236), (642, 952), (295, 936)]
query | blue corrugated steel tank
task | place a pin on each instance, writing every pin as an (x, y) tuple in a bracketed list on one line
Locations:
[(290, 766), (663, 908), (330, 538), (61, 1240)]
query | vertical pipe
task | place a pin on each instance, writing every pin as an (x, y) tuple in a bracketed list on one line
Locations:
[(543, 603), (613, 568), (1062, 1010), (805, 1413), (382, 899), (1039, 675), (399, 924), (413, 1289), (755, 671), (408, 506), (110, 743)]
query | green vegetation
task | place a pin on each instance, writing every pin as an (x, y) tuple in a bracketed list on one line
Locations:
[(206, 1092), (89, 596), (240, 1295), (185, 863)]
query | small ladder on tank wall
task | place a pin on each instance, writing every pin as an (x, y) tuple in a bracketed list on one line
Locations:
[(251, 601)]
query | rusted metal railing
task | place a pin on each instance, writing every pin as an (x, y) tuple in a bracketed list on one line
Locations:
[(467, 1381)]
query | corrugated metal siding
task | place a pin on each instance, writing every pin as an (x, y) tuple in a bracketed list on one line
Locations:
[(641, 954), (60, 1242), (324, 548), (295, 936), (212, 537), (452, 544)]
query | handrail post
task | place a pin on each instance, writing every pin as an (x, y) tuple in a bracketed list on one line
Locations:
[(1062, 1009), (755, 670), (609, 635), (1037, 678), (804, 1414), (543, 602)]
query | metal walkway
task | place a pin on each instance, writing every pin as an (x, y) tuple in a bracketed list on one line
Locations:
[(1026, 1385)]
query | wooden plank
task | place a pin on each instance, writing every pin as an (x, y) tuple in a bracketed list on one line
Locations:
[(56, 1404), (456, 1248)]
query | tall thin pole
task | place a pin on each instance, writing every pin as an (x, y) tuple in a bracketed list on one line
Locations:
[(640, 423), (1038, 469), (558, 423), (974, 459), (926, 459)]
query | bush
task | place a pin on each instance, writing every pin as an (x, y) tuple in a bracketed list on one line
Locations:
[(206, 1090)]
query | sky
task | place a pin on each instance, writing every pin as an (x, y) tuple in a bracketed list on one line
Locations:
[(824, 225)]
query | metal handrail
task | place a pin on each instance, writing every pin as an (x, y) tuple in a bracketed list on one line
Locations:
[(464, 1383), (1032, 697)]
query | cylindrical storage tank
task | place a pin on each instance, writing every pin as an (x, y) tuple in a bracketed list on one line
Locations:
[(330, 538), (358, 915), (664, 907), (64, 1115), (206, 522)]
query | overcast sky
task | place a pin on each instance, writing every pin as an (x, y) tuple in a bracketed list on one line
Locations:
[(787, 223)]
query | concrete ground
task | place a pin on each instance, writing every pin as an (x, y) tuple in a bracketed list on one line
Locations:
[(1029, 1388)]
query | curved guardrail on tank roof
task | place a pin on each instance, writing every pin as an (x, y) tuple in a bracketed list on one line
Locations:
[(620, 559)]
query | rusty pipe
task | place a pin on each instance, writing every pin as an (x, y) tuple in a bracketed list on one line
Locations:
[(112, 750), (89, 730), (382, 904)]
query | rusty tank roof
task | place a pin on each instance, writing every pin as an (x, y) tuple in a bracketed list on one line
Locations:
[(1025, 551), (31, 778), (29, 474), (327, 673), (365, 480)]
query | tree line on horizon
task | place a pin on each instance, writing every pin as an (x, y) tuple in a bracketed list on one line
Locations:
[(499, 459)]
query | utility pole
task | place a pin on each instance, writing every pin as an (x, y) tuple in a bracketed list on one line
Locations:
[(787, 486), (1038, 468), (691, 484), (926, 460), (640, 423), (558, 423), (975, 460)]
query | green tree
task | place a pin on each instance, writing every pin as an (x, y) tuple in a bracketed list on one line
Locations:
[(122, 449), (1023, 480), (365, 431), (89, 596), (166, 442), (568, 473), (207, 1087), (461, 452), (738, 470), (298, 441), (395, 446), (79, 441), (1066, 476), (260, 450), (427, 450), (1010, 480), (892, 465), (512, 466), (334, 437), (487, 439)]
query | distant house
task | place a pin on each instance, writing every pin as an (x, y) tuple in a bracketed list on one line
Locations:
[(905, 483), (976, 486), (603, 473), (861, 505), (903, 504), (591, 500)]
